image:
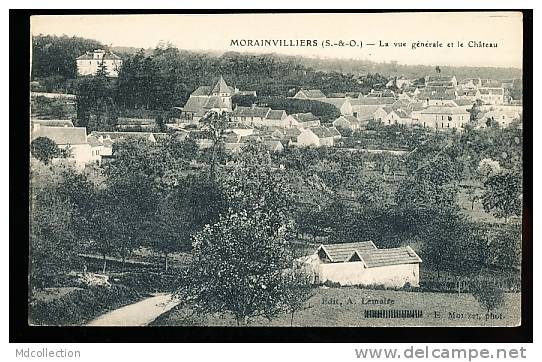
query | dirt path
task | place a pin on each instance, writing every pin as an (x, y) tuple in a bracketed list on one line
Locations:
[(138, 314)]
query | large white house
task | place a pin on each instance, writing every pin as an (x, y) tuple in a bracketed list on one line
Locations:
[(362, 263), (71, 139), (90, 62), (444, 117)]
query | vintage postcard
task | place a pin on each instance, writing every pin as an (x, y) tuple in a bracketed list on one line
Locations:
[(276, 169)]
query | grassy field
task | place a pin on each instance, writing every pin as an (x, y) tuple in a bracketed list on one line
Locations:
[(345, 307)]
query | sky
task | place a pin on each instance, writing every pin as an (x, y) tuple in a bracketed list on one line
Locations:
[(215, 33)]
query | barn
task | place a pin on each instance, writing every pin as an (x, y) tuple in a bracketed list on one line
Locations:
[(362, 263)]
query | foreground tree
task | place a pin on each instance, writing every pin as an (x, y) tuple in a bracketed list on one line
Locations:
[(44, 149), (237, 267)]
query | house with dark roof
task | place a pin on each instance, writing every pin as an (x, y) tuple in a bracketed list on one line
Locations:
[(441, 80), (309, 94), (252, 116), (347, 122), (277, 118), (73, 140), (90, 62), (342, 104), (215, 98), (51, 123), (362, 263), (316, 137), (492, 95), (400, 116), (444, 117), (303, 120)]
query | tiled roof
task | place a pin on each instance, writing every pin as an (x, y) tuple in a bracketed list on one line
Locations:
[(403, 113), (368, 101), (336, 95), (276, 114), (119, 135), (439, 78), (463, 102), (444, 110), (292, 132), (94, 141), (135, 121), (304, 117), (215, 102), (337, 102), (321, 132), (221, 86), (493, 91), (62, 135), (341, 252), (203, 90), (313, 93), (334, 131), (53, 122), (251, 111), (384, 257), (194, 104)]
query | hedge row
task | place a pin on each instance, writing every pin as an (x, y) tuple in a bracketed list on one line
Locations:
[(80, 305)]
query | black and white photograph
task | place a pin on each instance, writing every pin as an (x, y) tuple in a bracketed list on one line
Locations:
[(276, 170)]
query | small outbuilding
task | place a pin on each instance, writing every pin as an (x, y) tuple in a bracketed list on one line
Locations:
[(362, 263)]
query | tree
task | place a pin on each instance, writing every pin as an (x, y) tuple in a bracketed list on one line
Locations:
[(53, 227), (237, 267), (172, 225), (298, 290), (44, 149), (489, 296), (472, 196), (487, 168), (503, 194), (217, 126), (475, 111)]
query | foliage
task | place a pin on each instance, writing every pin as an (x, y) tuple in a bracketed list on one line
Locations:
[(80, 305), (96, 108), (323, 110), (55, 56), (44, 149), (503, 194), (489, 296), (298, 290), (237, 267), (488, 167)]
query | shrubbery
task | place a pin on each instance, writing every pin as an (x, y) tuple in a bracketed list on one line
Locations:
[(147, 282), (325, 111), (80, 305)]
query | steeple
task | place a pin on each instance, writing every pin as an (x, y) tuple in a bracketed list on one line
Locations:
[(220, 87)]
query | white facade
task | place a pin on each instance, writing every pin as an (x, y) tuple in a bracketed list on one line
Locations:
[(355, 273), (88, 64)]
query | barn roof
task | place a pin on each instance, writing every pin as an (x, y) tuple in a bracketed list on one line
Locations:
[(369, 254), (342, 252), (384, 257), (313, 93), (62, 135)]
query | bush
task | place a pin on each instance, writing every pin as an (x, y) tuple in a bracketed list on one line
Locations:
[(488, 295), (80, 305), (147, 282), (325, 111)]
